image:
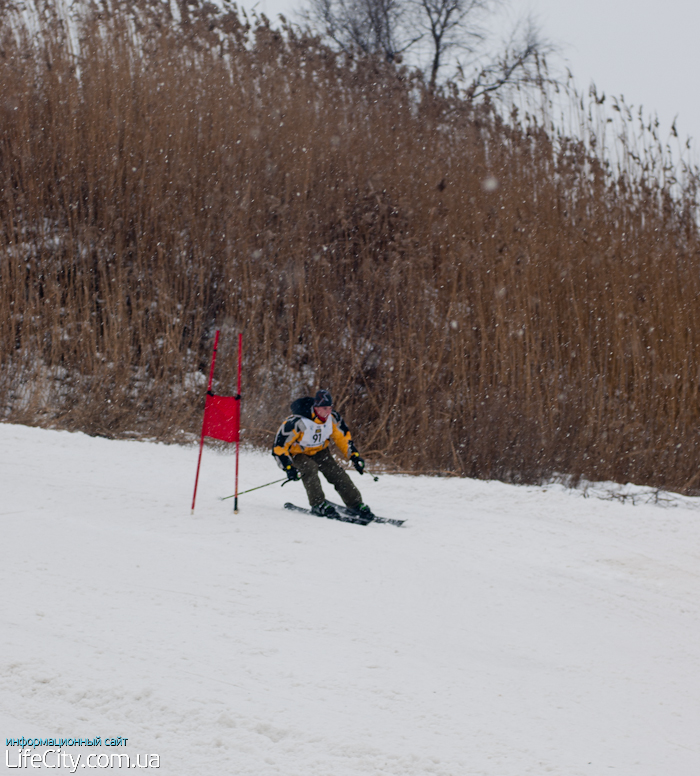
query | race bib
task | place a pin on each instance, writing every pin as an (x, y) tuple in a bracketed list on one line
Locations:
[(315, 434)]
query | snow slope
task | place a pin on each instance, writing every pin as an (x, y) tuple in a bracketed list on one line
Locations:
[(502, 631)]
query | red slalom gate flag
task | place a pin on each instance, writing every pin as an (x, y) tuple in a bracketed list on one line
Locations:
[(222, 418)]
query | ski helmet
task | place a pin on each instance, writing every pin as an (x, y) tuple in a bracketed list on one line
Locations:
[(323, 399)]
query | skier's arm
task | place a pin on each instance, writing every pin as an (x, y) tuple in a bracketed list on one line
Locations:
[(286, 436), (342, 437)]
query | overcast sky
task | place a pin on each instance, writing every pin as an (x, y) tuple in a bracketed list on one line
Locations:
[(646, 50)]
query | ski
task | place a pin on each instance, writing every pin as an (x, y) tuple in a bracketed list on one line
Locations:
[(342, 516), (376, 519), (346, 515)]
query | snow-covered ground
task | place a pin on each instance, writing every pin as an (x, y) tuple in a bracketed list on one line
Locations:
[(502, 631)]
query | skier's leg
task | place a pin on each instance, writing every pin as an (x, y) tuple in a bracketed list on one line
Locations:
[(309, 477), (339, 479)]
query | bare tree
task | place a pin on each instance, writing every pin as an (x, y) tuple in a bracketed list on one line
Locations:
[(372, 26), (521, 61), (448, 25), (432, 33)]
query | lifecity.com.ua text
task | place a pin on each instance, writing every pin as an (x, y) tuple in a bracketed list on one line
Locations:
[(56, 758)]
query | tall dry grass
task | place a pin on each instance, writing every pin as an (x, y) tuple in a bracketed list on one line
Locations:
[(482, 296)]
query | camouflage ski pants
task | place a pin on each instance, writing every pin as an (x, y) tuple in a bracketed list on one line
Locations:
[(310, 465)]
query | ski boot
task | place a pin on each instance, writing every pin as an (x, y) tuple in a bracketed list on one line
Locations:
[(326, 510), (363, 512)]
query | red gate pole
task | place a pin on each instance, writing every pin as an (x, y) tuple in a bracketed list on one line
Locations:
[(238, 437), (201, 441)]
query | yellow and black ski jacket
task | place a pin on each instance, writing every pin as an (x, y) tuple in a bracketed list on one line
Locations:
[(303, 432)]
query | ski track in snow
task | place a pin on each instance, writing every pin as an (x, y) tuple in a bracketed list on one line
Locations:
[(502, 631)]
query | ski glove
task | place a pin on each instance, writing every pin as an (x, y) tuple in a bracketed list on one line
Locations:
[(358, 462), (292, 473)]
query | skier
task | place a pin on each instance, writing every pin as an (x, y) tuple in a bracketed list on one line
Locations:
[(302, 450)]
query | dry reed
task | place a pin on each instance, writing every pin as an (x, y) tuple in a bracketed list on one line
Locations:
[(483, 297)]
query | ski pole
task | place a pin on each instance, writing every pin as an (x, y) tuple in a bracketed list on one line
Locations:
[(223, 498), (373, 476)]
